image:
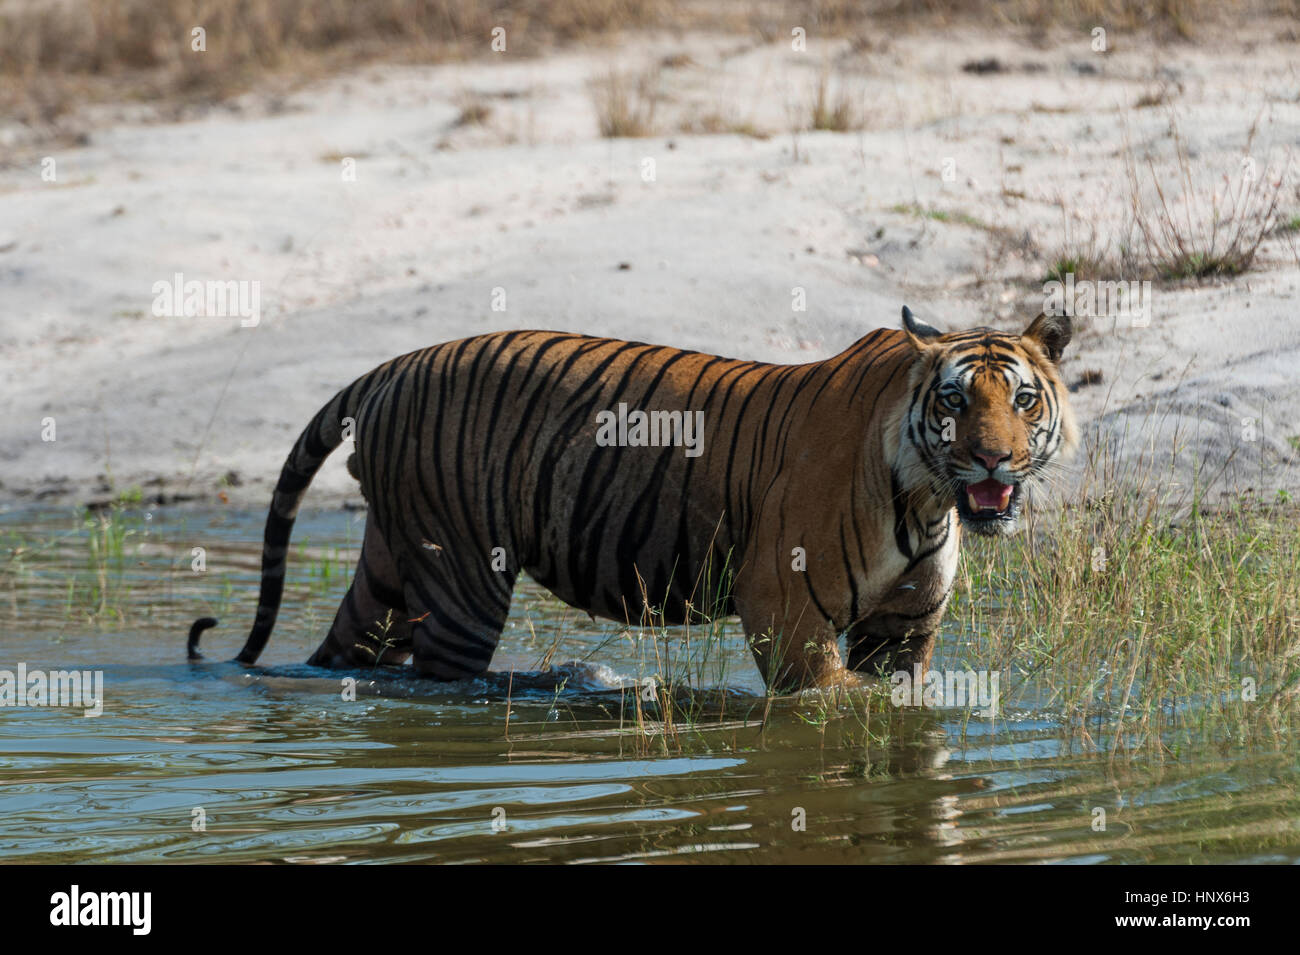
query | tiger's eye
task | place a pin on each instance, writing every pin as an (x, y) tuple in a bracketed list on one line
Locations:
[(1026, 400), (952, 401)]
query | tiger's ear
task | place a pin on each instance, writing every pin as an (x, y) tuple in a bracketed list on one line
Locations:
[(921, 335), (1052, 333)]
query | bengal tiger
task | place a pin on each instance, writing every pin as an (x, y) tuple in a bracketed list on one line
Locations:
[(816, 501)]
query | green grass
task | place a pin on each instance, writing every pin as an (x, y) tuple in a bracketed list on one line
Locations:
[(105, 566), (1291, 224), (82, 571), (1084, 268), (1200, 265), (1085, 253), (1152, 645), (941, 215)]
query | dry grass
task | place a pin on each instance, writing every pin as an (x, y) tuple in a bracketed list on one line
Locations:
[(53, 55), (56, 54), (626, 103), (474, 110), (1181, 223), (104, 36), (715, 123), (1160, 95), (839, 112), (1175, 19), (1188, 228)]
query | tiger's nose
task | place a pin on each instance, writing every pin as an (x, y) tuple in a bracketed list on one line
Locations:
[(992, 459)]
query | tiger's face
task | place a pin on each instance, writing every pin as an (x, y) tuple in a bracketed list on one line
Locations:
[(987, 414)]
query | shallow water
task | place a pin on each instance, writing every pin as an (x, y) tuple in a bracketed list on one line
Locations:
[(531, 764)]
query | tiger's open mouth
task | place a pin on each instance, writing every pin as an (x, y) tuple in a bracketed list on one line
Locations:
[(990, 495), (988, 504)]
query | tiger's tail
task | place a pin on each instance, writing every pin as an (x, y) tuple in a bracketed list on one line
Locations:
[(321, 436)]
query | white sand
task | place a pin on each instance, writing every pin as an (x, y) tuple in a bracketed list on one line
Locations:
[(538, 204)]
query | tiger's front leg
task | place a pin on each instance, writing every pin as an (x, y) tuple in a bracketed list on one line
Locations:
[(878, 647), (898, 631), (790, 662), (899, 635), (787, 617), (794, 645)]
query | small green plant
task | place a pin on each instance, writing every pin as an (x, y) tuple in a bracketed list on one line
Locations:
[(1083, 269), (107, 531), (1084, 252), (386, 639), (941, 215)]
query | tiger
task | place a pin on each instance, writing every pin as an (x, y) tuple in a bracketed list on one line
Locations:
[(816, 502)]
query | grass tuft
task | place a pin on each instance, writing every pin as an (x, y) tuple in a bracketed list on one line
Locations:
[(1188, 230), (838, 113), (626, 103)]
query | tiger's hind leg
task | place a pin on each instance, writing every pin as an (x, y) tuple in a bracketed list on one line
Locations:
[(372, 625), (457, 613)]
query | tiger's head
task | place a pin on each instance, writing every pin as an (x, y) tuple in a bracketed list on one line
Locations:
[(987, 413)]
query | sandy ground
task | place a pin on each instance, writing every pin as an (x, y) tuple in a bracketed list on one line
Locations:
[(704, 255)]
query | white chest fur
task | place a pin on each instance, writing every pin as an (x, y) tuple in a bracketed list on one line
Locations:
[(914, 577)]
